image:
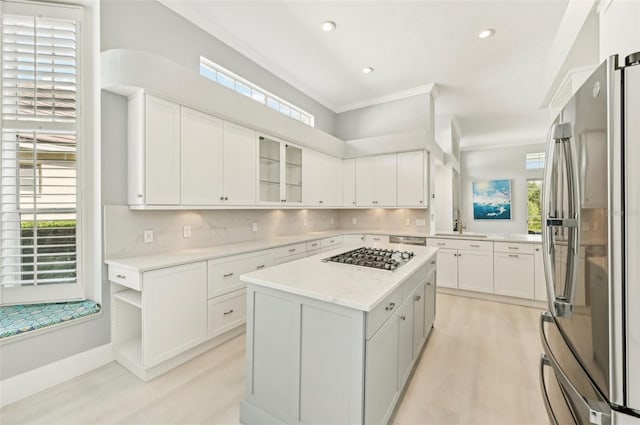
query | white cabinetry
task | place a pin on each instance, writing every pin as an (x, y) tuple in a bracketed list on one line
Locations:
[(280, 172), (153, 151), (464, 264), (540, 286), (162, 314), (180, 156), (322, 179), (514, 269), (412, 179), (375, 240), (354, 240), (376, 181), (349, 183)]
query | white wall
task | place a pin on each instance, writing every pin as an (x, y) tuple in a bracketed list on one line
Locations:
[(492, 164), (149, 26)]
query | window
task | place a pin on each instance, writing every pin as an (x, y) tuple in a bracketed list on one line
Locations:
[(230, 80), (534, 161), (40, 129), (534, 215)]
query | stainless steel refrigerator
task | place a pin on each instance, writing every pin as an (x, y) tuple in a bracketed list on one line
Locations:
[(590, 368)]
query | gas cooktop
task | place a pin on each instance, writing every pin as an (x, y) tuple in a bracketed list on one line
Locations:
[(377, 258)]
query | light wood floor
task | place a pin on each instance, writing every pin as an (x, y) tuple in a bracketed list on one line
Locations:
[(480, 366)]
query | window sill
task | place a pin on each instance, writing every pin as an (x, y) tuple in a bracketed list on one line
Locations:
[(19, 322)]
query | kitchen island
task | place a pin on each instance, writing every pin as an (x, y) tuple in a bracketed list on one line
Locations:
[(334, 343)]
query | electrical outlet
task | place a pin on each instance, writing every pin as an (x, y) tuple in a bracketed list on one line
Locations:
[(354, 221), (332, 220), (148, 236), (304, 221), (255, 227), (407, 222), (186, 232), (421, 222)]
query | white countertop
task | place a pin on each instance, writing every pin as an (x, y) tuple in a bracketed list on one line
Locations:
[(491, 237), (360, 288), (175, 258)]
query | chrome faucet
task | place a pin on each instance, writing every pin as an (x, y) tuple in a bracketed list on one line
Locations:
[(457, 223)]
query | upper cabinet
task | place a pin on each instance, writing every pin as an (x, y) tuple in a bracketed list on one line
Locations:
[(322, 177), (412, 179), (280, 172), (349, 183), (180, 156), (153, 151), (376, 181)]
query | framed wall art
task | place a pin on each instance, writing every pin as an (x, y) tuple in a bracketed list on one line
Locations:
[(492, 199)]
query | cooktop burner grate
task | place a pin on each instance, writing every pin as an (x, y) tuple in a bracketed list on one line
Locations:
[(377, 258)]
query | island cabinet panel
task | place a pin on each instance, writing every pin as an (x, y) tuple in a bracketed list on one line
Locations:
[(274, 361), (405, 340), (329, 346), (430, 300), (420, 330)]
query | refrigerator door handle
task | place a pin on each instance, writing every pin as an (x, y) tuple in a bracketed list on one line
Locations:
[(574, 214), (544, 361), (598, 410), (548, 208)]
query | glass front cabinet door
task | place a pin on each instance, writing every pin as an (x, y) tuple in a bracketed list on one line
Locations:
[(280, 172)]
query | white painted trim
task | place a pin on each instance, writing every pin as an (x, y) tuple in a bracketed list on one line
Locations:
[(425, 89), (24, 385), (46, 329), (603, 6)]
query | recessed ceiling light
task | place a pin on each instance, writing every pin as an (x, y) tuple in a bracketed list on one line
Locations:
[(367, 70), (328, 26), (486, 33)]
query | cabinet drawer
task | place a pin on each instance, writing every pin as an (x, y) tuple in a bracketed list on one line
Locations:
[(376, 239), (513, 248), (313, 245), (476, 245), (226, 312), (125, 277), (384, 310), (224, 276), (443, 243), (332, 241), (294, 249)]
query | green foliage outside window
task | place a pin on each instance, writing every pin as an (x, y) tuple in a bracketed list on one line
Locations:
[(534, 216), (56, 252)]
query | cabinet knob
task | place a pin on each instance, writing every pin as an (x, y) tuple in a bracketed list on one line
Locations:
[(354, 202), (139, 195), (418, 297), (390, 307), (433, 262), (320, 202), (226, 198), (428, 283), (421, 201), (222, 198), (403, 317)]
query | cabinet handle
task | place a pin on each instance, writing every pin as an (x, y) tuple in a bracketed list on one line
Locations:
[(121, 276), (428, 283), (376, 239), (433, 262), (390, 307), (421, 201), (537, 249), (261, 266), (403, 317), (314, 244), (441, 244), (226, 198), (458, 255), (226, 313), (227, 275), (292, 250), (331, 241), (139, 195), (418, 297), (475, 246), (513, 247), (354, 202), (514, 256), (320, 202), (222, 198)]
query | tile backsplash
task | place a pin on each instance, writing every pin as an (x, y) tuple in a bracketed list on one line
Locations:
[(384, 219), (124, 228)]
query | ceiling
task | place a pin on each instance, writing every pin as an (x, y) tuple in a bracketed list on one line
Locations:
[(492, 87)]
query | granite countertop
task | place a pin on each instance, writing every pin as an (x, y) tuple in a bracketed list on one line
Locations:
[(175, 258), (360, 288)]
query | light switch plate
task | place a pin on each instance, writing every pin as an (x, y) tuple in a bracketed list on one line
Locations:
[(255, 227), (186, 232), (148, 236), (407, 222), (354, 221)]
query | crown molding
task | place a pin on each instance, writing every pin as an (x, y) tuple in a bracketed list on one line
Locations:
[(425, 89)]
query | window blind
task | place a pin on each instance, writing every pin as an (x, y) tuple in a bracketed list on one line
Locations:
[(39, 179), (534, 161)]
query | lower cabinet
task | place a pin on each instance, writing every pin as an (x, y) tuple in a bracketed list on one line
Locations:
[(165, 316), (464, 264), (310, 361)]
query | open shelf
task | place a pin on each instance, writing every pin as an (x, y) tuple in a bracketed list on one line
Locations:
[(131, 350), (130, 297)]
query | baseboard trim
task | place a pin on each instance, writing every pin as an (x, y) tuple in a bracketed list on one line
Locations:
[(494, 297), (29, 383)]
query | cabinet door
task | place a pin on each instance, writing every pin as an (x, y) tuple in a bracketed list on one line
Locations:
[(429, 303), (411, 179), (349, 183), (292, 174), (315, 175), (386, 181), (418, 299), (475, 270), (540, 286), (353, 241), (269, 171), (381, 382), (334, 182), (239, 165), (174, 304), (201, 158), (405, 341), (447, 268), (162, 152), (513, 275), (365, 182)]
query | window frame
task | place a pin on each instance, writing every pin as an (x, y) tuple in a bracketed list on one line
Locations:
[(255, 91), (88, 166), (535, 159)]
